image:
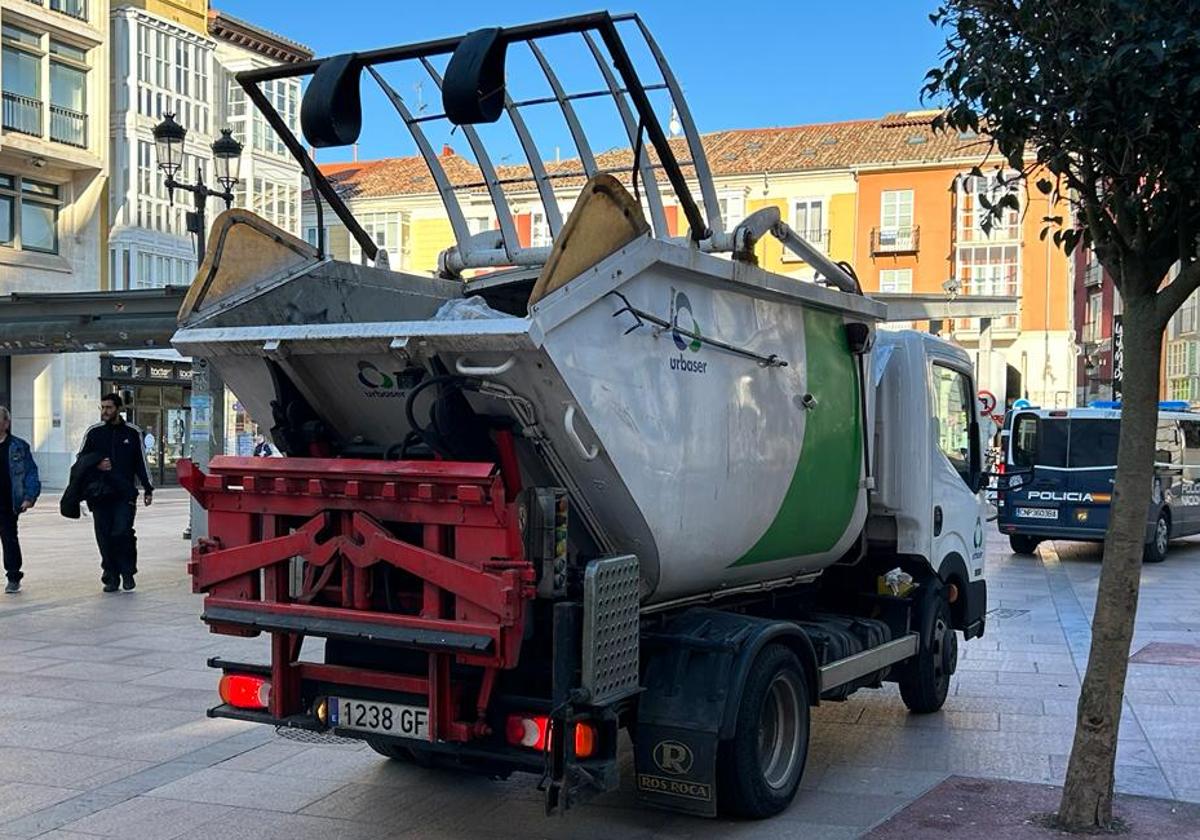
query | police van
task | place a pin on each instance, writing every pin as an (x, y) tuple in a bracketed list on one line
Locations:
[(1060, 466)]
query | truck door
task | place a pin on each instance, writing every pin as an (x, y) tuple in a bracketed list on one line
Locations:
[(956, 468)]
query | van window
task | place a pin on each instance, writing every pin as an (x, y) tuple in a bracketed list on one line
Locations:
[(1168, 450), (1040, 442), (952, 406)]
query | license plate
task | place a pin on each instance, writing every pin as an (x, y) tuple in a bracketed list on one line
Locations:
[(381, 718), (1037, 513)]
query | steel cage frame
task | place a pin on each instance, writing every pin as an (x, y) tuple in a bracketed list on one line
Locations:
[(623, 86)]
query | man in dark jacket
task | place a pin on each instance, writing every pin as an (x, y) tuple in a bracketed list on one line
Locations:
[(19, 490), (122, 465)]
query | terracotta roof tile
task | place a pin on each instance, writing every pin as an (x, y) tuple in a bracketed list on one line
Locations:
[(899, 139)]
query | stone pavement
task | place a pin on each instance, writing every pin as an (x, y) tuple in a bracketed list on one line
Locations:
[(103, 732)]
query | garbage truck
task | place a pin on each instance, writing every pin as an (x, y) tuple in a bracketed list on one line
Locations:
[(629, 481)]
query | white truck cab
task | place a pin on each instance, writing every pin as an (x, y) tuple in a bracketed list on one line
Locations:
[(927, 506)]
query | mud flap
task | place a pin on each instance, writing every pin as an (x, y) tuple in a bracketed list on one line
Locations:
[(695, 669), (677, 768)]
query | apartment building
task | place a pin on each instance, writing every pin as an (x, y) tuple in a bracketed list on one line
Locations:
[(53, 168)]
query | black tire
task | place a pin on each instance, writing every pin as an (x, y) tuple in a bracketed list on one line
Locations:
[(1023, 544), (1156, 549), (396, 752), (925, 681), (774, 715)]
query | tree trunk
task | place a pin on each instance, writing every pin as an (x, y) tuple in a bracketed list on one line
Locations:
[(1088, 791)]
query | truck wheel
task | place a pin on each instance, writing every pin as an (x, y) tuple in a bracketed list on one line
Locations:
[(759, 769), (387, 749), (1156, 549), (1022, 544), (925, 681)]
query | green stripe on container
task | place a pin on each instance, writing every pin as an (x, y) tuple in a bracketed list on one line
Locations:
[(821, 498)]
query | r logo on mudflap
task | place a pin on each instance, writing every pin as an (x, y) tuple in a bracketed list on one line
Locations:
[(673, 757)]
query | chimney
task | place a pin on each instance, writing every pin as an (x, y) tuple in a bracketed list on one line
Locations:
[(447, 150)]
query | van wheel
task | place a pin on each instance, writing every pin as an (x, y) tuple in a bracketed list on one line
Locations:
[(1156, 549), (925, 681), (1023, 544), (759, 769)]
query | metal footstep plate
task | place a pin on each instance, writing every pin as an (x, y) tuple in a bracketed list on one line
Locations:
[(611, 589), (308, 736)]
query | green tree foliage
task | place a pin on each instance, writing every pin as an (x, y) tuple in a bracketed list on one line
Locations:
[(1098, 102)]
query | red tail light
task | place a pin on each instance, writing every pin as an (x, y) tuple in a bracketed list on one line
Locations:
[(528, 731), (243, 691), (533, 732)]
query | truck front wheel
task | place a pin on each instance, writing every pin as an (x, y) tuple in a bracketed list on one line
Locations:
[(759, 769), (925, 681)]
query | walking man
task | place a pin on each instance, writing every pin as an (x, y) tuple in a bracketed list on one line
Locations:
[(19, 490), (123, 465)]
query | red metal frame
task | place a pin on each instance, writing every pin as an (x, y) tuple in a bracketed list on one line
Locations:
[(335, 514)]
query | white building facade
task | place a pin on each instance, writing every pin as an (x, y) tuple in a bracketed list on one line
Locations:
[(158, 67), (53, 182), (270, 182)]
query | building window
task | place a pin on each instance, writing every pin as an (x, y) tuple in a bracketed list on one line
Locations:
[(808, 220), (22, 70), (68, 94), (284, 96), (385, 231), (1184, 321), (29, 214), (896, 281), (74, 8), (990, 270), (539, 230), (1093, 317), (972, 213), (896, 233)]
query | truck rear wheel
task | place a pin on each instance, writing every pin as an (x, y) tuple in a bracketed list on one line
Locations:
[(1022, 544), (396, 752), (759, 769), (925, 681)]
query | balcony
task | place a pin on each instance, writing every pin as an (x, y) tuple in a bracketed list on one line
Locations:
[(819, 239), (73, 8), (67, 126), (22, 114), (899, 240), (1093, 275)]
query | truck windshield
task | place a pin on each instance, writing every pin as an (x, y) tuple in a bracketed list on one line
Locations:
[(1064, 442)]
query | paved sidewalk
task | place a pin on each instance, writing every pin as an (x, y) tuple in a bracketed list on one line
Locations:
[(103, 732)]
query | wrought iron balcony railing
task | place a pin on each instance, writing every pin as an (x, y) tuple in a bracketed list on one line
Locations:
[(895, 240), (22, 114), (67, 126)]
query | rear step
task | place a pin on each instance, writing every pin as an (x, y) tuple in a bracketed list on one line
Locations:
[(306, 621)]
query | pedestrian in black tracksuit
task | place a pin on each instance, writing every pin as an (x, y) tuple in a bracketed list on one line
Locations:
[(122, 466)]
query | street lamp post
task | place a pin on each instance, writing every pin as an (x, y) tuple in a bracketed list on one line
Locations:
[(227, 157), (208, 390)]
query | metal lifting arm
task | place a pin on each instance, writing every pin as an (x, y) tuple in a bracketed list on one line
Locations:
[(767, 220)]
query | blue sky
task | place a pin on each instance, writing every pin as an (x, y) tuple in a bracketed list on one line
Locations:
[(741, 65)]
